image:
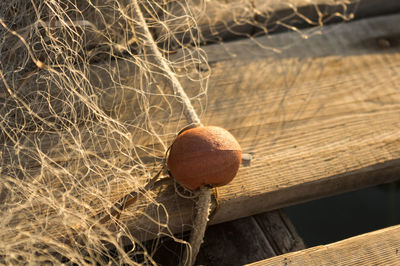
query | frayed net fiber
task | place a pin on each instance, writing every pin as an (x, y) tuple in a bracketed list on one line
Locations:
[(88, 112)]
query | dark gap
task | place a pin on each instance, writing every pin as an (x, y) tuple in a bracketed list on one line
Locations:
[(169, 252), (332, 219)]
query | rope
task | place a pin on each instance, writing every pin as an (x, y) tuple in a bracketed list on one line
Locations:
[(203, 204)]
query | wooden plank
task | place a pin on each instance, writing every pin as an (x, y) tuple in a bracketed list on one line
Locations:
[(319, 114), (222, 21), (380, 247), (248, 239), (102, 26)]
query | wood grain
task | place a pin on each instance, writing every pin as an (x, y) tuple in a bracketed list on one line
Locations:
[(380, 247), (321, 116)]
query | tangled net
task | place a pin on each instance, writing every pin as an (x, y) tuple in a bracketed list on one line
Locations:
[(86, 116)]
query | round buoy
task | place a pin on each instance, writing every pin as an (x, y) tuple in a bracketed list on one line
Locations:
[(204, 156)]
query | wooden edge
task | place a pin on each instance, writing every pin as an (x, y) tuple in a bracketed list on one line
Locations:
[(365, 177), (381, 247), (180, 210)]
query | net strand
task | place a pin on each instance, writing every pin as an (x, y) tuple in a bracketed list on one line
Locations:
[(154, 55), (92, 93)]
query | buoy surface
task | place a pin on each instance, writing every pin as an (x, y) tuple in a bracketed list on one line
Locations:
[(204, 156)]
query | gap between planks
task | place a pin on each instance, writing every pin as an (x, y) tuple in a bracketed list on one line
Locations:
[(249, 239)]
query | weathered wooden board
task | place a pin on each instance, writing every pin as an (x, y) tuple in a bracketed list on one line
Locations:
[(321, 116), (380, 247), (226, 20), (244, 240), (102, 25)]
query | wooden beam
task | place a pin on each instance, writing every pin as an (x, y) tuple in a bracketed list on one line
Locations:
[(380, 247)]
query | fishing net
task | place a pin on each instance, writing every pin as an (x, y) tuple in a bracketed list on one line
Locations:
[(87, 116)]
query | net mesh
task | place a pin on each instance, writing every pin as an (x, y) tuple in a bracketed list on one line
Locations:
[(86, 117)]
